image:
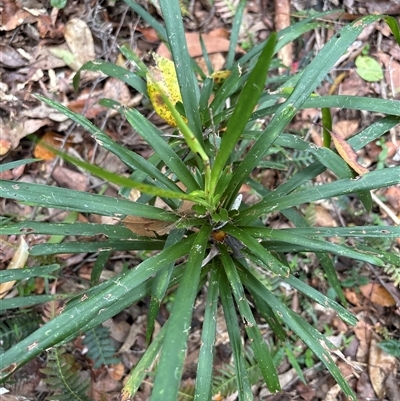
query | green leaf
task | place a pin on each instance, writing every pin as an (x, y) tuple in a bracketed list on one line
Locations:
[(394, 26), (163, 149), (58, 3), (391, 347), (166, 384), (234, 36), (24, 274), (93, 307), (160, 285), (263, 256), (68, 199), (31, 300), (148, 19), (180, 56), (243, 383), (17, 163), (311, 77), (247, 100), (206, 354), (100, 346), (309, 243), (368, 69), (257, 342), (275, 201), (112, 70), (307, 333)]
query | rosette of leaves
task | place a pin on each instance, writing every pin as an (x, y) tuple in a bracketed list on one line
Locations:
[(217, 243)]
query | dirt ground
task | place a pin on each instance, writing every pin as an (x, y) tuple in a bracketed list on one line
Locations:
[(36, 43)]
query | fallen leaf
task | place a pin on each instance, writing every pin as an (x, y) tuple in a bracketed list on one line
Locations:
[(363, 333), (323, 218), (380, 366), (49, 139), (147, 227), (346, 128), (149, 34), (347, 153), (392, 194), (19, 18), (17, 262), (392, 72), (212, 43), (377, 294), (13, 131), (10, 58), (352, 296), (368, 69), (80, 41)]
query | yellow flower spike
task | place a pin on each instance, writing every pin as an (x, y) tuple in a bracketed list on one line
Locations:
[(163, 77)]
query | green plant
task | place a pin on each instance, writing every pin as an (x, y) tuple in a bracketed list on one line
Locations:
[(63, 378), (17, 326), (217, 238)]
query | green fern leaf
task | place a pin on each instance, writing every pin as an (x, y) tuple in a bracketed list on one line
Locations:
[(100, 346), (16, 327), (63, 377)]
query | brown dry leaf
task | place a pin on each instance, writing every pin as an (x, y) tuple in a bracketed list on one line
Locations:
[(13, 131), (44, 59), (377, 294), (10, 397), (226, 9), (117, 372), (17, 19), (87, 101), (68, 178), (392, 194), (47, 29), (51, 139), (346, 128), (213, 45), (352, 296), (347, 153), (17, 262), (10, 58), (392, 72), (118, 329), (353, 85), (380, 365), (147, 227), (283, 20), (364, 387), (149, 34), (80, 41), (363, 333), (323, 218), (392, 387)]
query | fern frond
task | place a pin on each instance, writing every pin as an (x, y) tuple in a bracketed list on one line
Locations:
[(63, 377), (100, 346), (394, 272), (186, 391), (16, 327), (226, 384), (310, 214)]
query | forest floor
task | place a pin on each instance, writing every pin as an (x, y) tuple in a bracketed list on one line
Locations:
[(36, 41)]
